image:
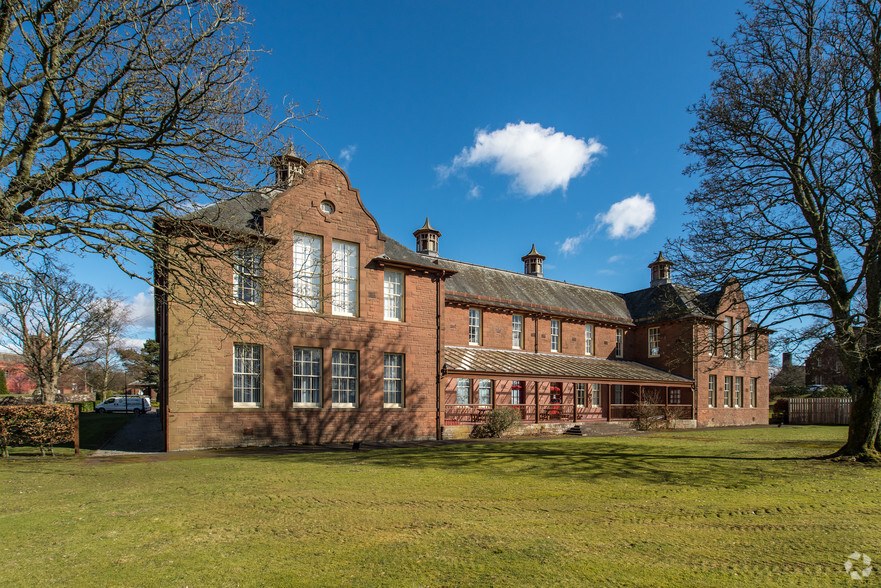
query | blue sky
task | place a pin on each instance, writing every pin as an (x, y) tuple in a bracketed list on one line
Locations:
[(506, 123)]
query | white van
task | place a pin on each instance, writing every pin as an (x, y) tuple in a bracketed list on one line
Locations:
[(135, 404)]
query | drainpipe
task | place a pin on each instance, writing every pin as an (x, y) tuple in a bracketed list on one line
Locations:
[(438, 432)]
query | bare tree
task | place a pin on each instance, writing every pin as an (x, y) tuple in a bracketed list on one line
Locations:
[(788, 148), (116, 113), (113, 320), (51, 319)]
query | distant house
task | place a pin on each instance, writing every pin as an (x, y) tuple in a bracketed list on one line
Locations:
[(383, 342), (19, 382), (823, 366)]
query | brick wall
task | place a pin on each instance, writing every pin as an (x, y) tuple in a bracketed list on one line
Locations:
[(200, 403)]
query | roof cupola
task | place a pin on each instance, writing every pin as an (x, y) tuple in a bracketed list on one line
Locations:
[(288, 166), (427, 239), (532, 262), (661, 268)]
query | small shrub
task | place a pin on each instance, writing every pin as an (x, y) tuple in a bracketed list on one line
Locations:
[(500, 420), (497, 422), (480, 432)]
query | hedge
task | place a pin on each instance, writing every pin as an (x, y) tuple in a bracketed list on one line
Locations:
[(37, 425)]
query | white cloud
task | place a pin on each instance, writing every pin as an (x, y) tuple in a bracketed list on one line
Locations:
[(617, 258), (629, 218), (141, 310), (474, 192), (540, 159), (571, 244), (346, 155)]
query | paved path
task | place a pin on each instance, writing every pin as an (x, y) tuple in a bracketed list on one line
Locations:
[(142, 434)]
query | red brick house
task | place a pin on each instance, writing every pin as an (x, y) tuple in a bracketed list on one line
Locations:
[(823, 367), (385, 342)]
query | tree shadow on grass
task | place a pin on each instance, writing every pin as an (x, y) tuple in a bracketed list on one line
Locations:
[(586, 460)]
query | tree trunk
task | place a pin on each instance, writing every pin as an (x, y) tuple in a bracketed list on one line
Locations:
[(864, 433)]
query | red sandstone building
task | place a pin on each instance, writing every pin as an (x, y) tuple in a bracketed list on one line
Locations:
[(378, 341)]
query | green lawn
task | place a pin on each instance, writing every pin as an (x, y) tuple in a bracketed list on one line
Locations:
[(701, 508)]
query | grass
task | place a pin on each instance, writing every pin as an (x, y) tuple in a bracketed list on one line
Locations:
[(699, 508)]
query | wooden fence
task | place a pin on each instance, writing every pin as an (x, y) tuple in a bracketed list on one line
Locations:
[(818, 411)]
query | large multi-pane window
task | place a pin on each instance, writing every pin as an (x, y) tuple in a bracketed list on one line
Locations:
[(307, 272), (753, 392), (246, 275), (484, 391), (393, 379), (588, 339), (307, 377), (517, 332), (595, 399), (727, 333), (463, 391), (675, 396), (580, 394), (246, 374), (654, 341), (619, 342), (738, 339), (712, 391), (711, 340), (473, 326), (738, 392), (619, 394), (728, 391), (344, 381), (393, 295), (555, 335), (345, 278)]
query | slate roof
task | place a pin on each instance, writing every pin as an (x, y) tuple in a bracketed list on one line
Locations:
[(242, 213), (474, 283), (525, 363), (669, 301)]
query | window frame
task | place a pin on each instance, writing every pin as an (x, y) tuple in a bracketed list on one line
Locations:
[(391, 381), (588, 339), (247, 269), (555, 336), (753, 392), (517, 333), (618, 391), (393, 298), (580, 394), (619, 343), (727, 333), (239, 375), (729, 392), (712, 388), (307, 279), (485, 387), (738, 391), (737, 339), (463, 385), (711, 340), (753, 343), (596, 400), (654, 336), (345, 278), (475, 330), (316, 359), (520, 386), (337, 378)]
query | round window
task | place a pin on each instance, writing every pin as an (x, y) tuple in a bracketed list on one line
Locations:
[(327, 207)]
